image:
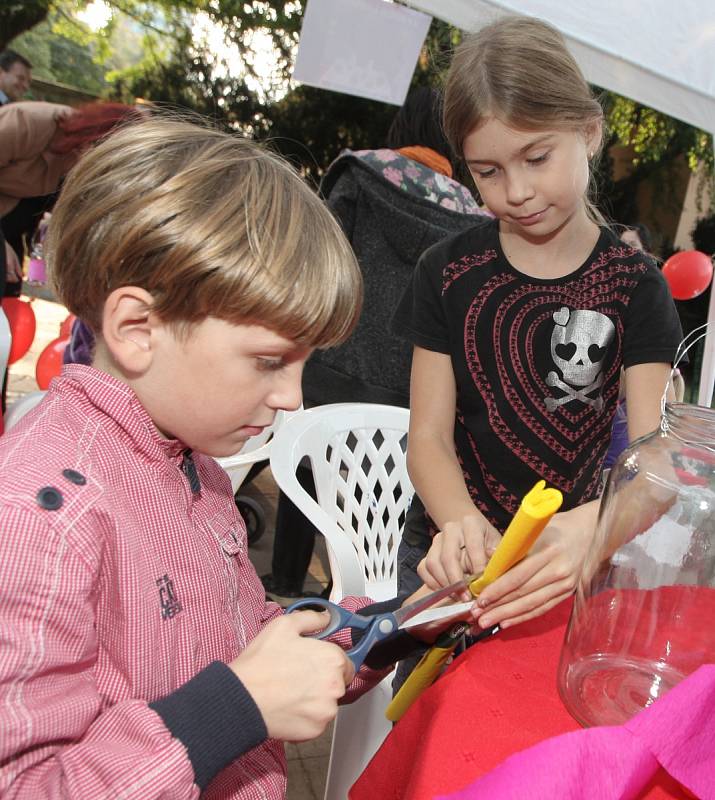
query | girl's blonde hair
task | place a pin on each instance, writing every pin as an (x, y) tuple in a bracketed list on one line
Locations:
[(519, 70), (210, 224)]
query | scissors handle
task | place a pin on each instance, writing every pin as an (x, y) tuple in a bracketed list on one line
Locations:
[(376, 628)]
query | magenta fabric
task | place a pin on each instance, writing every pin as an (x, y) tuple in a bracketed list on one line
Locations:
[(675, 733)]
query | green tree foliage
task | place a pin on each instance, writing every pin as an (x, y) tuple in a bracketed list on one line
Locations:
[(150, 49), (654, 135), (310, 126), (188, 80), (657, 141), (18, 16), (61, 59)]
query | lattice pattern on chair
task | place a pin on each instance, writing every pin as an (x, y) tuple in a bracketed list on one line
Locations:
[(357, 455), (367, 494)]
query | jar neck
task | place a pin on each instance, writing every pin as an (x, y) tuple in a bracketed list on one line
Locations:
[(691, 424)]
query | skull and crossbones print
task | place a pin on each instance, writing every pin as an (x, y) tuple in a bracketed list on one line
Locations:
[(579, 342)]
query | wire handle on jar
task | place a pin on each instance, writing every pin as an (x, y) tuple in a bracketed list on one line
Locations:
[(694, 336)]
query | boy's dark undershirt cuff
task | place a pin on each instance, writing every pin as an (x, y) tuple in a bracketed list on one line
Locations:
[(214, 717), (398, 646)]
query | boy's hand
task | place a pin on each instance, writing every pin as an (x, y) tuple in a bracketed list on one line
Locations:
[(547, 575), (294, 680), (461, 548)]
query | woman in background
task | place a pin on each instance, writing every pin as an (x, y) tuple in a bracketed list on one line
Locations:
[(392, 203), (39, 143)]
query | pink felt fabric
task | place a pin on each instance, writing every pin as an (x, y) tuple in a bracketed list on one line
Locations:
[(617, 763)]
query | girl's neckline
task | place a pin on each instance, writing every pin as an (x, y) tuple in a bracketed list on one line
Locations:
[(525, 276)]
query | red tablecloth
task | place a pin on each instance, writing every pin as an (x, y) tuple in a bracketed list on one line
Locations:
[(498, 698)]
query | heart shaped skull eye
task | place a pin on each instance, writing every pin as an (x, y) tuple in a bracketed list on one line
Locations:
[(596, 353), (565, 351)]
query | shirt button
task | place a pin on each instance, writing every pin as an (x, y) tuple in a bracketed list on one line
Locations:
[(49, 498), (74, 477)]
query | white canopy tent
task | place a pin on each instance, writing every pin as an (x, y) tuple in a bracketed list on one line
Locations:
[(658, 52)]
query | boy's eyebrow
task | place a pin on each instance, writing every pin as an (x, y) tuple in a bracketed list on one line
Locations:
[(534, 143)]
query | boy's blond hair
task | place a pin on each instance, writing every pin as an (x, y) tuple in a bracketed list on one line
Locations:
[(519, 70), (210, 224)]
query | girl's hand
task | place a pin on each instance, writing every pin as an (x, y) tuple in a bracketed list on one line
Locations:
[(431, 630), (461, 548), (547, 575)]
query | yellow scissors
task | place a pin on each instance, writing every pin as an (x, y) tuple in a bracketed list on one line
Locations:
[(536, 509)]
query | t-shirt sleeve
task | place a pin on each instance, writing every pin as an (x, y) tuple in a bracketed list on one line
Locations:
[(653, 330), (420, 316)]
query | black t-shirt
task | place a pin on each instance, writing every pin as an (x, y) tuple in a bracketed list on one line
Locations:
[(536, 362)]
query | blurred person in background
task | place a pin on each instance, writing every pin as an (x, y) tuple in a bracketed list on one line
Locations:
[(392, 203), (638, 236), (15, 76), (39, 143)]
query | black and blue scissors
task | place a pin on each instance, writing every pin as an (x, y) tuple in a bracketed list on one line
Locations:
[(380, 626)]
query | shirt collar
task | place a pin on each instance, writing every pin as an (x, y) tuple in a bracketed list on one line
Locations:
[(119, 403), (3, 98)]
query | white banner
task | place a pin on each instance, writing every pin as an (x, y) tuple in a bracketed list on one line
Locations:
[(367, 48)]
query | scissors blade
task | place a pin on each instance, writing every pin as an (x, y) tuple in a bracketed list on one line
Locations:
[(412, 610), (455, 610)]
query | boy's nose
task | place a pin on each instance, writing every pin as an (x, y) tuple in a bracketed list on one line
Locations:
[(290, 394)]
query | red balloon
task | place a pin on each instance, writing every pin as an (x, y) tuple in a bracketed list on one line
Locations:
[(49, 364), (66, 326), (688, 274), (23, 324)]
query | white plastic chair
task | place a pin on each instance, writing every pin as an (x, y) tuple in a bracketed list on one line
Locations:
[(5, 340), (255, 449), (356, 452), (21, 406)]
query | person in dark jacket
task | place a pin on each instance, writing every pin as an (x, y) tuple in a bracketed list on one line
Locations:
[(393, 203)]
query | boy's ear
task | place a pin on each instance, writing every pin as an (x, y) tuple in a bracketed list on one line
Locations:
[(127, 327)]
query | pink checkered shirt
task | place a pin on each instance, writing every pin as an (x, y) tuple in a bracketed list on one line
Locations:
[(116, 598)]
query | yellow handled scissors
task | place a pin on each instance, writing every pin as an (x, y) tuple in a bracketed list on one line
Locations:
[(536, 509)]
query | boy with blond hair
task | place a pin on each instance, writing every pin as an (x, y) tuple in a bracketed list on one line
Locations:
[(139, 658)]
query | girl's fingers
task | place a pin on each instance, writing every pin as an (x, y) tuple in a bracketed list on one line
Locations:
[(526, 607), (536, 612), (430, 568), (474, 533), (521, 578), (452, 540)]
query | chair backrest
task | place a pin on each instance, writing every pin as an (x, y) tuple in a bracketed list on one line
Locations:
[(5, 344), (357, 453), (21, 406), (257, 448), (5, 340)]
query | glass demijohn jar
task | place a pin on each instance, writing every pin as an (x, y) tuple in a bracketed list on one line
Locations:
[(643, 616)]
